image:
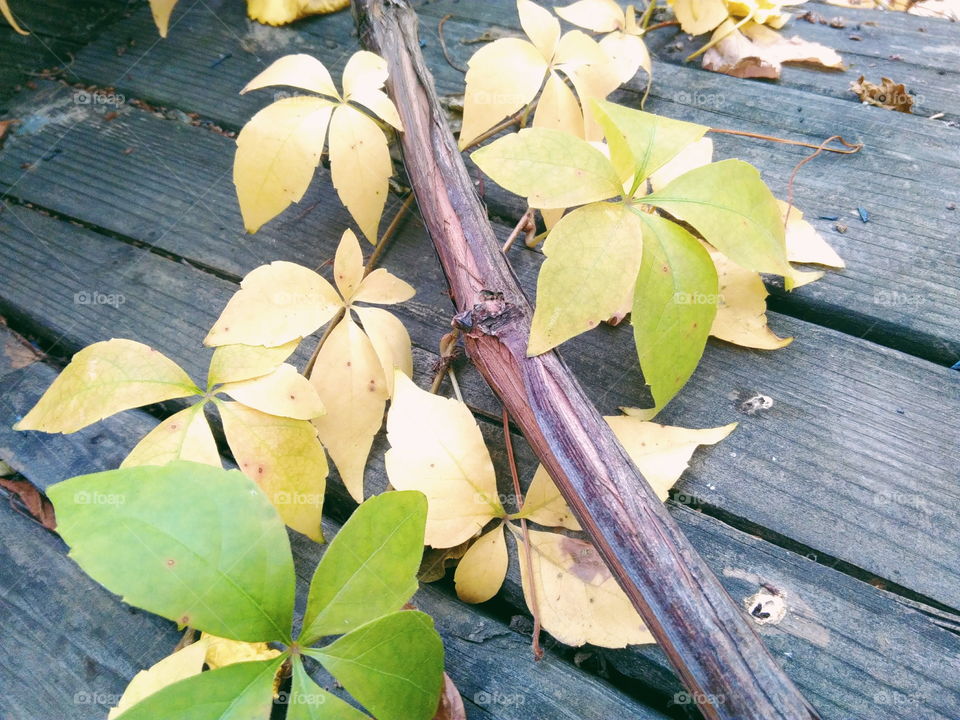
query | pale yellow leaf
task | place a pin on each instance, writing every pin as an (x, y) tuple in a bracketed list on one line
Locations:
[(283, 392), (596, 15), (543, 503), (593, 256), (284, 457), (799, 278), (541, 27), (278, 151), (364, 71), (281, 12), (699, 16), (482, 569), (804, 243), (378, 102), (383, 288), (180, 665), (185, 435), (696, 154), (160, 9), (558, 108), (436, 448), (741, 307), (576, 49), (348, 265), (231, 363), (103, 379), (776, 48), (502, 78), (350, 381), (551, 216), (299, 71), (276, 303), (578, 598), (360, 167), (223, 651), (390, 341), (627, 53), (661, 452)]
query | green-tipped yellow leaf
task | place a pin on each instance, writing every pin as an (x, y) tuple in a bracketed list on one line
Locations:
[(593, 255), (185, 435), (103, 379)]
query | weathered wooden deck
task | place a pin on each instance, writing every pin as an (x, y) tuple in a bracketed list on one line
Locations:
[(844, 495)]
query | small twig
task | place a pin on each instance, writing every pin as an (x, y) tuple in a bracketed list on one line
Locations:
[(528, 554), (525, 224), (368, 268), (448, 351), (796, 169), (648, 14), (854, 147), (500, 127), (443, 45), (454, 384), (658, 26)]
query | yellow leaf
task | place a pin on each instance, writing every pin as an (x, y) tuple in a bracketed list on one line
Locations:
[(360, 167), (502, 78), (544, 505), (483, 567), (627, 53), (804, 243), (348, 265), (541, 27), (276, 303), (278, 151), (699, 16), (661, 452), (390, 341), (383, 288), (283, 392), (231, 363), (578, 598), (349, 379), (281, 12), (284, 457), (180, 665), (299, 71), (103, 379), (364, 71), (593, 256), (551, 216), (223, 651), (160, 9), (550, 168), (696, 154), (377, 102), (558, 108), (742, 306), (596, 15), (185, 435), (436, 448)]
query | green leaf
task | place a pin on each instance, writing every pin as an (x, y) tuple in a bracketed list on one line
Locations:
[(242, 691), (674, 304), (651, 140), (593, 255), (393, 666), (309, 701), (370, 567), (551, 168), (734, 210), (196, 544), (103, 379)]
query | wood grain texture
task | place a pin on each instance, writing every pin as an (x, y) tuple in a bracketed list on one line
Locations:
[(900, 287)]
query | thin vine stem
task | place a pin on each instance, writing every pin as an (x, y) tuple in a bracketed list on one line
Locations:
[(528, 548)]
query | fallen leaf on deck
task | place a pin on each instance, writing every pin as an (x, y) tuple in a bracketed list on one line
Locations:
[(36, 504), (578, 599), (451, 704), (888, 94), (805, 244), (759, 52), (281, 12), (483, 567)]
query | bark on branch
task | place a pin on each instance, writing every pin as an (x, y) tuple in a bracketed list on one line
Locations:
[(706, 635)]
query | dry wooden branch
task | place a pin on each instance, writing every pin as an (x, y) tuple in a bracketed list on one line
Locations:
[(707, 637)]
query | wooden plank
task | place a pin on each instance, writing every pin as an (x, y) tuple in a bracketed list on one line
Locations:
[(856, 651), (900, 286), (49, 600), (853, 428)]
